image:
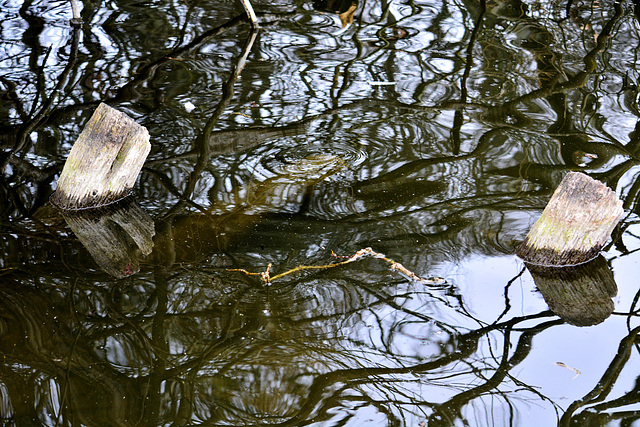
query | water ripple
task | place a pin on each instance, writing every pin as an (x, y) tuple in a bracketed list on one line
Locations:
[(311, 160)]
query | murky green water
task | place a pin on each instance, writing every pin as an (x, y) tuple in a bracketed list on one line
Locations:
[(432, 132)]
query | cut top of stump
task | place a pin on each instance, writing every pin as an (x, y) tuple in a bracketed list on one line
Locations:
[(575, 225), (104, 163)]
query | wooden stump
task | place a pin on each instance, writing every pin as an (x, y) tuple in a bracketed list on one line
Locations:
[(580, 295), (575, 225), (104, 163)]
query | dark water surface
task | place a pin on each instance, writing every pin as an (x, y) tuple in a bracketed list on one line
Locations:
[(433, 132)]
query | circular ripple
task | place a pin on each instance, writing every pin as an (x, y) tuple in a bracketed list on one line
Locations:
[(312, 161)]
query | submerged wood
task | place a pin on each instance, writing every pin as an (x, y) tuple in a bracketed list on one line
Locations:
[(580, 295), (104, 163), (116, 236), (575, 225)]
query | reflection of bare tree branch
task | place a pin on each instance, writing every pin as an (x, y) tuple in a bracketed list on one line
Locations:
[(193, 340), (507, 302), (40, 112), (236, 140), (202, 142), (580, 78), (61, 355), (466, 345), (608, 380), (458, 115), (447, 412), (147, 72), (37, 118)]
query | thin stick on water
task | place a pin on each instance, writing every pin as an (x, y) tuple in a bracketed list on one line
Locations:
[(250, 13), (75, 9), (267, 278)]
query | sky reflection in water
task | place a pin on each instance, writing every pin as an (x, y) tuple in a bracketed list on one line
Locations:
[(432, 132)]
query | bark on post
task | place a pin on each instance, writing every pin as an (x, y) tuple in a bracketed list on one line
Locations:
[(575, 225), (104, 163)]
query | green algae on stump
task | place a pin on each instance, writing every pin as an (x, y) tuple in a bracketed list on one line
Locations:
[(104, 163), (575, 225)]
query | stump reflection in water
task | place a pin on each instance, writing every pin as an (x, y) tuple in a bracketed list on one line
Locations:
[(581, 294)]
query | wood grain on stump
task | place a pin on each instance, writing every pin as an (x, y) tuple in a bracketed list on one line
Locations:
[(104, 163), (575, 225)]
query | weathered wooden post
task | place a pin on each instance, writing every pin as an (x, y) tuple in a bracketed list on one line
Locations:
[(575, 225), (104, 163), (560, 248), (101, 169)]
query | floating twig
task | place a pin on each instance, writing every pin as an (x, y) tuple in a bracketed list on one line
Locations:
[(253, 19), (396, 266), (569, 368), (75, 10)]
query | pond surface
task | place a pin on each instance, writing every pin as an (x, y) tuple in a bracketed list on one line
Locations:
[(432, 132)]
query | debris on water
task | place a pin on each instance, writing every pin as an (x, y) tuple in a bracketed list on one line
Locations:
[(569, 368), (189, 107), (267, 278)]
